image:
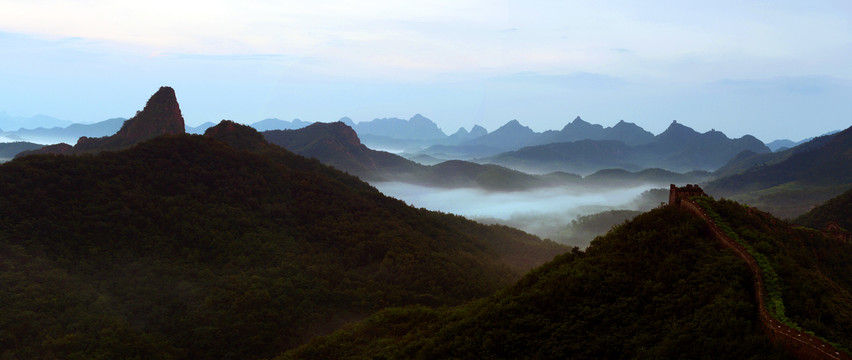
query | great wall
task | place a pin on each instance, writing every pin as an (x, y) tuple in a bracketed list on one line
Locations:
[(799, 343)]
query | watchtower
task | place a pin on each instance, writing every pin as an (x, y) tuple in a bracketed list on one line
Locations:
[(688, 191)]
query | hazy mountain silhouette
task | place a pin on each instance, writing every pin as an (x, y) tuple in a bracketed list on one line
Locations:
[(68, 133), (514, 136), (200, 129), (798, 180), (11, 123), (679, 149), (417, 127), (278, 124), (628, 133), (336, 144)]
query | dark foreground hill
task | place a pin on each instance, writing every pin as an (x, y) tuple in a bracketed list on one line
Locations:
[(659, 286), (185, 247)]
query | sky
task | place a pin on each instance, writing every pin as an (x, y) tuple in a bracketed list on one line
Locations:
[(772, 69)]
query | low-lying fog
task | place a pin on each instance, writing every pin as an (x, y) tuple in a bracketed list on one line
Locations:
[(544, 212)]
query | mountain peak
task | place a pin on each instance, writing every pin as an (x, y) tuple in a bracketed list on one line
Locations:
[(461, 132), (239, 136), (161, 115), (514, 123), (477, 131), (579, 120)]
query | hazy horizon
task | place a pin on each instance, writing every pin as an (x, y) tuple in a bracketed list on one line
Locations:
[(775, 70)]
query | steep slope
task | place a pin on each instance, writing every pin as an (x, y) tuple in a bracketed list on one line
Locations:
[(749, 159), (837, 210), (338, 145), (658, 286), (807, 176), (185, 247)]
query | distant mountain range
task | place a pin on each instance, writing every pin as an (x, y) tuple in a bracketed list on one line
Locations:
[(338, 145), (679, 149), (513, 136), (11, 123)]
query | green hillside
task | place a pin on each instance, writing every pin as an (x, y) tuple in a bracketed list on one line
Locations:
[(837, 210), (658, 286), (184, 247)]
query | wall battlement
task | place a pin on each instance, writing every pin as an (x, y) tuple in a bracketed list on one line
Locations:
[(799, 343), (684, 192)]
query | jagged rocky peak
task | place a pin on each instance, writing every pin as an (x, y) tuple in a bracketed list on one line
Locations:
[(161, 115)]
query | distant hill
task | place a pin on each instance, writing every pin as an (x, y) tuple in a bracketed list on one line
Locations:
[(11, 123), (781, 144), (784, 144), (200, 129), (798, 180), (658, 286), (278, 124), (68, 133), (512, 135), (679, 148), (337, 145), (417, 127), (160, 116), (184, 247), (9, 150)]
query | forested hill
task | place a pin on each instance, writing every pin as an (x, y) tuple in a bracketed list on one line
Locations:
[(185, 247), (658, 286), (837, 211)]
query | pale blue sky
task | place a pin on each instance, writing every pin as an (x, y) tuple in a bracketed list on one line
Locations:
[(774, 69)]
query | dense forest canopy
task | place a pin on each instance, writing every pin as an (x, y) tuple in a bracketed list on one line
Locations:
[(657, 286), (185, 247)]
